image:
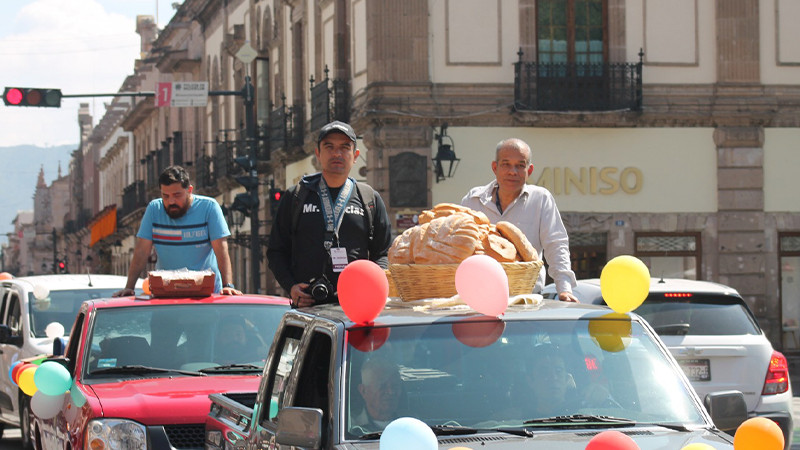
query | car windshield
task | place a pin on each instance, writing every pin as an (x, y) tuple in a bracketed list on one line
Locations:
[(191, 337), (61, 307), (485, 373), (701, 315)]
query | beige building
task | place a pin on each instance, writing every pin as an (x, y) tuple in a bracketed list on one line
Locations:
[(666, 129)]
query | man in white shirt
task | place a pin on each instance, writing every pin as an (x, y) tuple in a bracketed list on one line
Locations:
[(531, 208)]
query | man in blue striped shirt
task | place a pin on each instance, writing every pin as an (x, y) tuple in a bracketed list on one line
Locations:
[(188, 231)]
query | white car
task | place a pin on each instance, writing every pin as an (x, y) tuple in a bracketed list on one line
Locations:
[(34, 312), (716, 339)]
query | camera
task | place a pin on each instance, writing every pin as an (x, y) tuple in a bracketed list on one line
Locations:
[(320, 288)]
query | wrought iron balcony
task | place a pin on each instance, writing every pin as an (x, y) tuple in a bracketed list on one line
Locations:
[(133, 198), (330, 100), (577, 87)]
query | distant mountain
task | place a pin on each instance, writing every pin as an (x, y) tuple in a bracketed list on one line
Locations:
[(19, 171)]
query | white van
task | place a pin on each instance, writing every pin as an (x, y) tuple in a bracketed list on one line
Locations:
[(34, 311)]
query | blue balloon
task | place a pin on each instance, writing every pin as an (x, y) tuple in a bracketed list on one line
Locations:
[(51, 378), (407, 433), (77, 396), (11, 369)]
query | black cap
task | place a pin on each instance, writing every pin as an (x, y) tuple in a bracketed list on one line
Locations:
[(336, 127)]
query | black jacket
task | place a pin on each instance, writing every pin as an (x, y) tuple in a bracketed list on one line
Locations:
[(298, 256)]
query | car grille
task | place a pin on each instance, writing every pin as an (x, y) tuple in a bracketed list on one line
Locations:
[(188, 436)]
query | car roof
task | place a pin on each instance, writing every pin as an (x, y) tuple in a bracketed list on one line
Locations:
[(58, 282), (588, 290), (145, 300), (397, 314)]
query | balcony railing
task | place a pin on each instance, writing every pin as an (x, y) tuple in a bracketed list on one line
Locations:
[(133, 198), (577, 87), (330, 100)]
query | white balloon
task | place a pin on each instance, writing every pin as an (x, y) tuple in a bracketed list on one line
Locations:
[(54, 330), (46, 406), (41, 291), (407, 433)]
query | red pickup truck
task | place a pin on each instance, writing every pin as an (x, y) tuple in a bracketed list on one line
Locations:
[(143, 368)]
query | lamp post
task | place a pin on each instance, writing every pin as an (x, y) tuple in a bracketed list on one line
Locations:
[(445, 152)]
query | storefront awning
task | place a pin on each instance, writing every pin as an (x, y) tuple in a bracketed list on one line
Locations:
[(104, 224)]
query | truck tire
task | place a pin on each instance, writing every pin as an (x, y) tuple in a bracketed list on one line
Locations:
[(25, 422)]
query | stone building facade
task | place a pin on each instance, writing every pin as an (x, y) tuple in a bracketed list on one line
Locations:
[(666, 130)]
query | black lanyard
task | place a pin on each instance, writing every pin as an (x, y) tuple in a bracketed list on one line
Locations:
[(334, 213)]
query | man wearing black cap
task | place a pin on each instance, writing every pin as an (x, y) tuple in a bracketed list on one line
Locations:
[(326, 221)]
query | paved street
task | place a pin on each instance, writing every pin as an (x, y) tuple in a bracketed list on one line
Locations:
[(10, 440)]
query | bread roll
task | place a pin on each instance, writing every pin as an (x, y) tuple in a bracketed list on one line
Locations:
[(518, 238), (499, 248)]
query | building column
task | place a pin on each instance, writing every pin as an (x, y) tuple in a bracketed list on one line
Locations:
[(742, 235)]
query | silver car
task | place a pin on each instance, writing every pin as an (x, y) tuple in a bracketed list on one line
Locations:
[(717, 341)]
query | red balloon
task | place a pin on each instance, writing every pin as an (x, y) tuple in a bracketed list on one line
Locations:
[(612, 440), (18, 370), (368, 339), (478, 331), (363, 289), (6, 276)]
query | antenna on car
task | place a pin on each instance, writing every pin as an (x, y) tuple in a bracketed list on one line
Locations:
[(90, 277)]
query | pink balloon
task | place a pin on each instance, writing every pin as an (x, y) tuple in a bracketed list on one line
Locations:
[(612, 440), (363, 288), (483, 284)]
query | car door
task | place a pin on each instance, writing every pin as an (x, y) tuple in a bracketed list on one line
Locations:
[(9, 354)]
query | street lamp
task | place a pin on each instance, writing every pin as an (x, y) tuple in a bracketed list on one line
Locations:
[(445, 153)]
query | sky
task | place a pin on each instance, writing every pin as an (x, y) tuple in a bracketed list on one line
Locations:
[(78, 46)]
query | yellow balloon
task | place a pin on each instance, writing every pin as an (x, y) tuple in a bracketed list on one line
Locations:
[(26, 382), (758, 433), (146, 286), (697, 446), (624, 283), (611, 332)]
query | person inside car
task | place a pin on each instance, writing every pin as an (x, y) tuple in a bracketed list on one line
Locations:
[(381, 389)]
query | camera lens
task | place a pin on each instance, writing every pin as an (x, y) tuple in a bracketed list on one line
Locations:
[(319, 291)]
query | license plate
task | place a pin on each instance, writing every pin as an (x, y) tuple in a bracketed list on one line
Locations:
[(696, 369)]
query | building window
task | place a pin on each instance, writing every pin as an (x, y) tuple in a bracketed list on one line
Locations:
[(571, 31), (670, 255), (789, 257)]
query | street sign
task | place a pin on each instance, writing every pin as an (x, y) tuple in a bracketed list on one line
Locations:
[(247, 53), (182, 93)]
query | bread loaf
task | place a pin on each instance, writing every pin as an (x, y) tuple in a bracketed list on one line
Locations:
[(449, 240), (449, 233)]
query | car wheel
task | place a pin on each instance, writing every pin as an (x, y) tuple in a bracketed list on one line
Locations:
[(25, 422)]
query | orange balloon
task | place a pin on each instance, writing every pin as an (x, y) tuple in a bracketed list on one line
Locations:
[(146, 286), (758, 433), (6, 276)]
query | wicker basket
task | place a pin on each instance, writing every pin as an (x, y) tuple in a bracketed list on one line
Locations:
[(418, 281), (392, 287)]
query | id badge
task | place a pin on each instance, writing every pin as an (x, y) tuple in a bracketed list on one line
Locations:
[(339, 258)]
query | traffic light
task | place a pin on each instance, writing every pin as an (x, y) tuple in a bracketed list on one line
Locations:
[(245, 203), (275, 195), (47, 98), (62, 267)]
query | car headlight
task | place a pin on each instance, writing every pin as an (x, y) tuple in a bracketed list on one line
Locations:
[(115, 434)]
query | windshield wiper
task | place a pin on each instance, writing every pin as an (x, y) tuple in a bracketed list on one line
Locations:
[(582, 419), (452, 430), (671, 426), (232, 367), (143, 369)]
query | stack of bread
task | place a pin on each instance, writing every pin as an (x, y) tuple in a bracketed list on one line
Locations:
[(450, 233)]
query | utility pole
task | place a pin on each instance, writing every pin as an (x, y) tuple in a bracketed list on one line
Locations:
[(252, 189)]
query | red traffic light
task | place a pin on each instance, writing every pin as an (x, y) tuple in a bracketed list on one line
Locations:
[(48, 98), (13, 96), (276, 196), (61, 265)]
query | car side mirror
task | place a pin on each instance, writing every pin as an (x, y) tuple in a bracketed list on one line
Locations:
[(7, 337), (727, 409), (299, 427)]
